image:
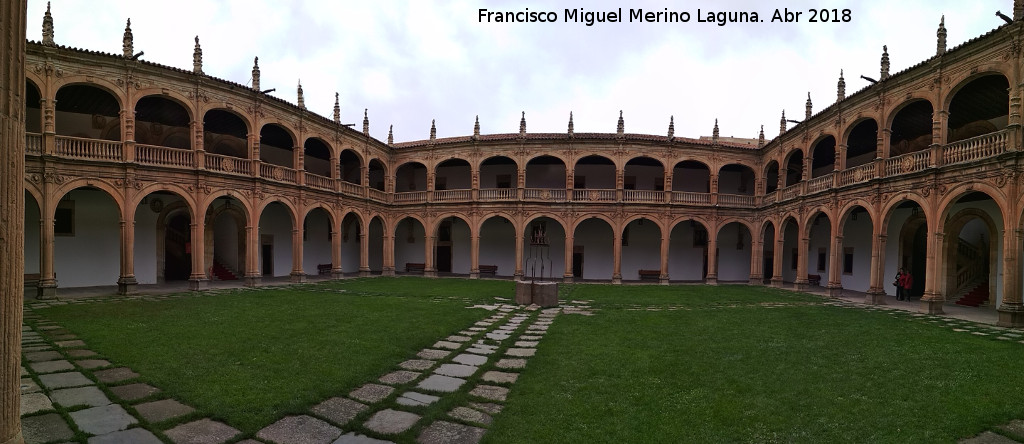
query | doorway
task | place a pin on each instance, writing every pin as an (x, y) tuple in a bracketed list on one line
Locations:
[(267, 253), (577, 261)]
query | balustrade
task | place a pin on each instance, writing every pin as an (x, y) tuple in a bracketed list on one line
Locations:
[(975, 148), (857, 174), (648, 196), (491, 194), (907, 163), (164, 156), (688, 197), (819, 183), (411, 197), (739, 200), (88, 148), (350, 188), (275, 172), (318, 181), (453, 195), (228, 164), (593, 195), (33, 144)]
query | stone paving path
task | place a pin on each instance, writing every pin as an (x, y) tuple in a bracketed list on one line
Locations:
[(72, 394)]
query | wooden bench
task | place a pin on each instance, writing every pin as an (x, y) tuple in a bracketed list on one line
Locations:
[(31, 279), (412, 267), (489, 270), (814, 279), (324, 269), (650, 275)]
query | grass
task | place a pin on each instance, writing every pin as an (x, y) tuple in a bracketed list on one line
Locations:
[(712, 364), (252, 356)]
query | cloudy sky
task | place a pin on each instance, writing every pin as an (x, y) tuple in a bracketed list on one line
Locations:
[(410, 62)]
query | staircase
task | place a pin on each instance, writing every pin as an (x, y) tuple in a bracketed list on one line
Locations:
[(976, 297), (222, 273)]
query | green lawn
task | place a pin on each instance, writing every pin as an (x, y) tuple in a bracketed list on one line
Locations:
[(249, 357), (713, 364)]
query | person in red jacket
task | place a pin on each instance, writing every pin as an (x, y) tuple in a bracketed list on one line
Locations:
[(906, 282)]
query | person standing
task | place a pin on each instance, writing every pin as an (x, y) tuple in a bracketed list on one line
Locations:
[(898, 282), (907, 284)]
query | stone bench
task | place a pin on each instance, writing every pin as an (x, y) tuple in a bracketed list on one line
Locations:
[(413, 267), (323, 269), (650, 275), (489, 270)]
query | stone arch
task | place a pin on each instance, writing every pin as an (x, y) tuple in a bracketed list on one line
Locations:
[(978, 105), (647, 217), (823, 155), (293, 212), (95, 82), (101, 184), (851, 205), (910, 126), (168, 94), (208, 201), (331, 213), (174, 188), (794, 166), (576, 222)]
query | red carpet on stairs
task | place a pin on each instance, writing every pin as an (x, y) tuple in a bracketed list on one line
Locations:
[(222, 273), (975, 297)]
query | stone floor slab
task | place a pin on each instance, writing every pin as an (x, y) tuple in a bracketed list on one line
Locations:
[(526, 344), (70, 344), (132, 392), (416, 399), (354, 438), (51, 366), (339, 410), (457, 338), (531, 337), (162, 410), (371, 392), (90, 364), (488, 407), (130, 436), (429, 353), (299, 430), (62, 380), (102, 420), (497, 336), (478, 350), (1015, 427), (521, 352), (80, 353), (115, 375), (447, 345), (511, 363), (29, 386), (988, 438), (203, 431), (440, 383), (45, 428), (90, 396), (470, 359), (500, 377), (457, 370), (35, 403), (36, 348), (470, 415), (390, 422), (417, 364), (43, 356), (399, 377), (492, 392), (444, 432)]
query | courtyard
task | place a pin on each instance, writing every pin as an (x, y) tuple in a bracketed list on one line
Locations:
[(451, 360)]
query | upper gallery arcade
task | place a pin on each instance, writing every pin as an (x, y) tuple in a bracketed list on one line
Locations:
[(138, 173)]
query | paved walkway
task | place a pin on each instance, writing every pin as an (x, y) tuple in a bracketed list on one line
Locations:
[(69, 392)]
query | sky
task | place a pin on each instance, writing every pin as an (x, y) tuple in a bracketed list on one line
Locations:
[(412, 62)]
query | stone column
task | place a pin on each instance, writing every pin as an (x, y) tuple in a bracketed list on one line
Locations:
[(198, 280), (567, 276), (47, 280), (297, 274), (756, 260), (336, 271), (198, 145), (616, 258), (428, 255), (801, 265), (364, 253), (1011, 311), (932, 300), (389, 255), (253, 276), (519, 254), (474, 255), (876, 293), (126, 283), (254, 153), (777, 259), (835, 279), (12, 215), (712, 277), (663, 278)]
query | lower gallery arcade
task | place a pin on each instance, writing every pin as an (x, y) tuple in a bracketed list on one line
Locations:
[(100, 237)]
